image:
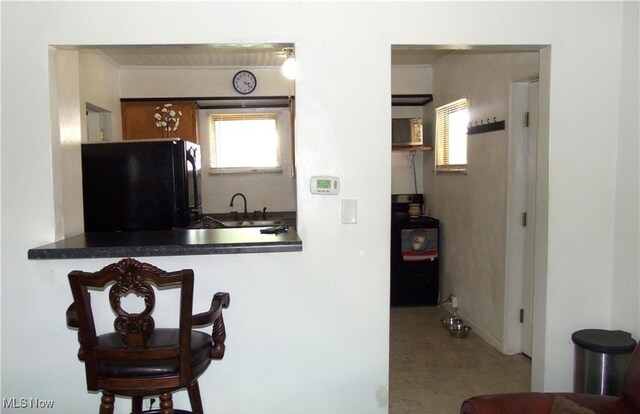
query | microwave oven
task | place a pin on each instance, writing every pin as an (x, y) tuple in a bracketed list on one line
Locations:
[(406, 132)]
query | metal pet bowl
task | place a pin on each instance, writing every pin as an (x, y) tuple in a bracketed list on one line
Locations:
[(448, 322), (459, 330)]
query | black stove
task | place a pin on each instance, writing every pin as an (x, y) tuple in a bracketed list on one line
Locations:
[(415, 254)]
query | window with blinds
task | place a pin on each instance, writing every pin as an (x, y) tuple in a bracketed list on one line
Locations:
[(451, 136), (244, 142)]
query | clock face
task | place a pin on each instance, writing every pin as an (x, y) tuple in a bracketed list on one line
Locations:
[(244, 82)]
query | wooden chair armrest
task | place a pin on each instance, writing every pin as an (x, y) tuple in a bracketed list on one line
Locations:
[(220, 301), (72, 322), (72, 316), (214, 315)]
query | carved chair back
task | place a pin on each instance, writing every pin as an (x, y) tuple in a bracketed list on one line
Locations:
[(133, 332)]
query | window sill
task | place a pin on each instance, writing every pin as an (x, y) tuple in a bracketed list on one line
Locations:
[(450, 171), (224, 171)]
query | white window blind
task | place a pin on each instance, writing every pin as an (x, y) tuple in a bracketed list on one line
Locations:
[(451, 136), (245, 142)]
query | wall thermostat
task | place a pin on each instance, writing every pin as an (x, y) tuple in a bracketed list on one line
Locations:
[(323, 184)]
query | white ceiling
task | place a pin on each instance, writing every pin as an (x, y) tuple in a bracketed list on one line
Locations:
[(417, 55), (269, 55), (197, 55)]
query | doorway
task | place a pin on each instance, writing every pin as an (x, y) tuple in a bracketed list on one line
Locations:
[(99, 123), (476, 259)]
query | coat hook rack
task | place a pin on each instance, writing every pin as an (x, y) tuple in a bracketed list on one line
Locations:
[(482, 126)]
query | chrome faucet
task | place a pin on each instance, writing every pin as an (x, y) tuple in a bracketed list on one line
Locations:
[(245, 203)]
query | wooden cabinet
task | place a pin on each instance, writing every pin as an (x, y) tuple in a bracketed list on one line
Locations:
[(138, 120)]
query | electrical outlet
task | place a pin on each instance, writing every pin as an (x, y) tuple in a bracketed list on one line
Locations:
[(454, 301)]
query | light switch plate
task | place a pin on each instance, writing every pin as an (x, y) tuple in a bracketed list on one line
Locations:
[(349, 211)]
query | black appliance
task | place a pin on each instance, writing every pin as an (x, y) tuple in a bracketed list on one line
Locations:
[(415, 254), (140, 185)]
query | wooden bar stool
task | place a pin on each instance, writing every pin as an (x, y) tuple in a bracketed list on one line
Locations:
[(137, 359)]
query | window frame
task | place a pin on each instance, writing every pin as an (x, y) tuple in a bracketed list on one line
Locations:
[(239, 114), (442, 137)]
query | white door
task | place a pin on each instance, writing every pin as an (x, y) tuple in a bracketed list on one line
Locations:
[(530, 148)]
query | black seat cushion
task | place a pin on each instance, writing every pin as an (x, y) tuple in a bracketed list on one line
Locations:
[(201, 344)]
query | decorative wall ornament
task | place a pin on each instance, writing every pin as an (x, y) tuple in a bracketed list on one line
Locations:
[(167, 118)]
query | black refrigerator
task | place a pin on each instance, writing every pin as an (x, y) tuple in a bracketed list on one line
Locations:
[(141, 185)]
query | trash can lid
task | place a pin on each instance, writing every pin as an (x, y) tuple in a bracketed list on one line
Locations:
[(607, 342)]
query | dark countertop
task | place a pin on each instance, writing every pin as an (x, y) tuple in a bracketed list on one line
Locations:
[(169, 243)]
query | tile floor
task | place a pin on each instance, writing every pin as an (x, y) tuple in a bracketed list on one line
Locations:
[(433, 373)]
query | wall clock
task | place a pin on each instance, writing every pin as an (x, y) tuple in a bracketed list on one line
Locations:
[(244, 82)]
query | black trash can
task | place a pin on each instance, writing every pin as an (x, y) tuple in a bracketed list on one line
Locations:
[(600, 360)]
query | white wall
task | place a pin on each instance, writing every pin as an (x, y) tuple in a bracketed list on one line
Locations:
[(626, 307), (411, 79), (198, 82), (306, 334), (472, 207), (583, 299)]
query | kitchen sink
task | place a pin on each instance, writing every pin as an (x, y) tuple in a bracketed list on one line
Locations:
[(252, 223)]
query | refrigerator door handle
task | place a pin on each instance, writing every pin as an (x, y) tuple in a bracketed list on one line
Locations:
[(192, 160)]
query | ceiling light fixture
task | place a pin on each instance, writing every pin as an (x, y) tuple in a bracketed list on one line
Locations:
[(289, 66)]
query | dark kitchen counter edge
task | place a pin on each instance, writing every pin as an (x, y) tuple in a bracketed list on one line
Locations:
[(168, 243)]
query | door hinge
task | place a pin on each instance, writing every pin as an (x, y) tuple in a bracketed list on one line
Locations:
[(521, 315), (526, 119), (524, 219)]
